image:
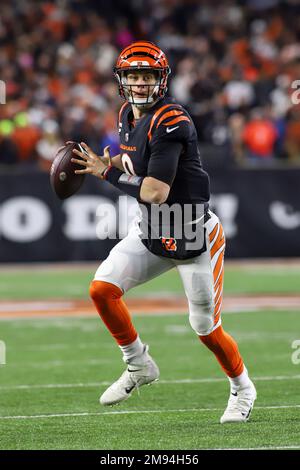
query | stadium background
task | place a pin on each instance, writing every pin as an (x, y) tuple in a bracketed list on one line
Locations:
[(234, 66)]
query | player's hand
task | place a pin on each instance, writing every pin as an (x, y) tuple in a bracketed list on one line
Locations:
[(106, 158), (92, 163)]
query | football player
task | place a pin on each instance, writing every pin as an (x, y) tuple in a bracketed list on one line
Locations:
[(160, 166)]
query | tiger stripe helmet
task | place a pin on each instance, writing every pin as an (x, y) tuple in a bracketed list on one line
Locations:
[(142, 55)]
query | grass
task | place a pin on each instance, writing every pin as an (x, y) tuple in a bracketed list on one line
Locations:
[(66, 363), (57, 368), (36, 284)]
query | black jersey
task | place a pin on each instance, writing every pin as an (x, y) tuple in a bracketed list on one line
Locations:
[(164, 144)]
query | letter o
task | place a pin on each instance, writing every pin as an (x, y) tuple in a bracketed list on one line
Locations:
[(24, 219)]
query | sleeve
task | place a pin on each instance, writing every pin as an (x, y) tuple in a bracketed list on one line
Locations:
[(166, 145)]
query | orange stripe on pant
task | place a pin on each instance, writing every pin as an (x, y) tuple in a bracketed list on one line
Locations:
[(213, 233), (218, 272), (112, 309), (218, 243), (219, 342)]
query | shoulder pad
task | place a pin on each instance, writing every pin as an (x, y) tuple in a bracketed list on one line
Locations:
[(167, 115)]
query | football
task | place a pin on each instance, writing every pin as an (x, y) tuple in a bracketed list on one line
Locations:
[(63, 180)]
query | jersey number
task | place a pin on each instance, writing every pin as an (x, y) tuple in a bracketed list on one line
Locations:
[(127, 164)]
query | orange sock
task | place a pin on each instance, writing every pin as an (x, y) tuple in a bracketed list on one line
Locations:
[(112, 309), (226, 351)]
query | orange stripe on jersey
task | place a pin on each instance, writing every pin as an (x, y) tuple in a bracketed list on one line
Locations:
[(167, 115), (156, 115), (121, 110), (178, 119)]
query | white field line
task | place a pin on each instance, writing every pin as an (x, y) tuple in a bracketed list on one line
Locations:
[(162, 382), (128, 412), (58, 363)]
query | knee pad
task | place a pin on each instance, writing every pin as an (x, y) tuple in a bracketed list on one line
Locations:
[(101, 291), (201, 317)]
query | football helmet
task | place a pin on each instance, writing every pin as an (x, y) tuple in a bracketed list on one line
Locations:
[(142, 56)]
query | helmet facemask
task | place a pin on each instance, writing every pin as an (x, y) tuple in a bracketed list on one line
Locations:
[(154, 90)]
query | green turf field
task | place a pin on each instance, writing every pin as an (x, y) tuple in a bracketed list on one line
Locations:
[(74, 283), (57, 368)]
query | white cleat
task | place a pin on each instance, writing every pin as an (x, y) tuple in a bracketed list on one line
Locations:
[(240, 405), (133, 378)]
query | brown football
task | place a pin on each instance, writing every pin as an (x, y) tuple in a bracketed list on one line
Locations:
[(62, 177)]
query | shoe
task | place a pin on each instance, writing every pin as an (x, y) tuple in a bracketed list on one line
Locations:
[(240, 405), (133, 378)]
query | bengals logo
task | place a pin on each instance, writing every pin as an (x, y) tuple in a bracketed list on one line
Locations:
[(169, 243)]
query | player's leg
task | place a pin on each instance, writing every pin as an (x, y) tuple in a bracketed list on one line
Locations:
[(128, 264), (203, 283)]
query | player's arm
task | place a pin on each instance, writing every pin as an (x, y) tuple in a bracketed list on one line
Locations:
[(154, 191), (148, 189), (116, 161), (166, 141), (163, 163), (162, 168), (155, 187)]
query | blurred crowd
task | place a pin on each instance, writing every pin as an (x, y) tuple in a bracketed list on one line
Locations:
[(234, 65)]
